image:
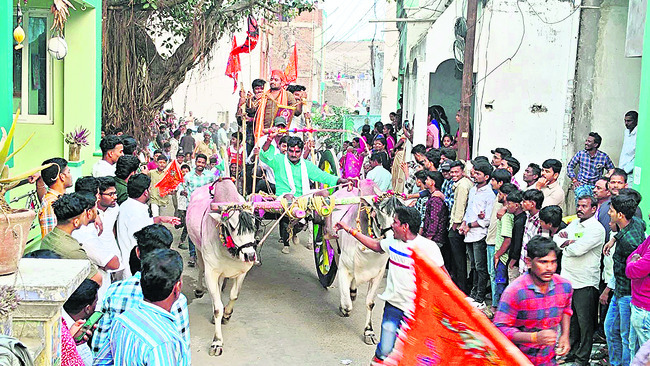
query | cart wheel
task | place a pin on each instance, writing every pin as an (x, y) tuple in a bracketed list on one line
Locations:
[(328, 164), (324, 257)]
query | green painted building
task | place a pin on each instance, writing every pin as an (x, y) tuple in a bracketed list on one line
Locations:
[(54, 96)]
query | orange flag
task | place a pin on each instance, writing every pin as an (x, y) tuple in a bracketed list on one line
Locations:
[(291, 72), (446, 330), (233, 67), (172, 178)]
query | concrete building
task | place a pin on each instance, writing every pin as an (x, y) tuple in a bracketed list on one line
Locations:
[(348, 73), (208, 93), (306, 32)]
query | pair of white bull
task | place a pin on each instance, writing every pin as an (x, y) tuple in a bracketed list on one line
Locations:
[(216, 262)]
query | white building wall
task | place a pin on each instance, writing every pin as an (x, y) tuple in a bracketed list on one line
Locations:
[(433, 47), (541, 72), (389, 95), (207, 91)]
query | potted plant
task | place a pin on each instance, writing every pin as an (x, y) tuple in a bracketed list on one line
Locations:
[(8, 303), (75, 140), (14, 224)]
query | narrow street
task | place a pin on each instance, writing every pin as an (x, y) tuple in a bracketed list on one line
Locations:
[(283, 316)]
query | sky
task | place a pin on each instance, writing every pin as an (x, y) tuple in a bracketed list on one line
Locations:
[(347, 20)]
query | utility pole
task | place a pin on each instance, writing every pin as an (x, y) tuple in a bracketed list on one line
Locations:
[(466, 92)]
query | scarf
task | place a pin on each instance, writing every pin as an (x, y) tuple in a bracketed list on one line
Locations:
[(261, 109), (303, 175)]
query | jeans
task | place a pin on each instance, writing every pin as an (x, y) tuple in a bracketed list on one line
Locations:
[(191, 247), (640, 332), (390, 324), (490, 268), (478, 261), (617, 330), (501, 279), (583, 323), (458, 266)]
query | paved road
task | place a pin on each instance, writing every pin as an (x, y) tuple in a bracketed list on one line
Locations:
[(283, 316)]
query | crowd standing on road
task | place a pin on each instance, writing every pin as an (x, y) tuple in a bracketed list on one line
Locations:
[(553, 286)]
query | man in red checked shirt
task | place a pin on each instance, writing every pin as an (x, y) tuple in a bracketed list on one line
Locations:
[(535, 304)]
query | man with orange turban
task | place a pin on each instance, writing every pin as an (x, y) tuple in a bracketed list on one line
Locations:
[(268, 104)]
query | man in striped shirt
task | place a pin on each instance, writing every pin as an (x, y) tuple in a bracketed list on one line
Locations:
[(121, 296), (536, 304), (147, 334)]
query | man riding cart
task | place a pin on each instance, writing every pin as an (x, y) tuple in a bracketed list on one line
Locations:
[(292, 176)]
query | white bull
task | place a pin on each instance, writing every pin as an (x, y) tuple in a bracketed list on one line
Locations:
[(357, 264), (225, 246)]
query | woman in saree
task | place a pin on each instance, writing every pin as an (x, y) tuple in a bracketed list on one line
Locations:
[(354, 159)]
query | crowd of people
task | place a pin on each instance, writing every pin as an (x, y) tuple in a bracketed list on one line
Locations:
[(554, 283)]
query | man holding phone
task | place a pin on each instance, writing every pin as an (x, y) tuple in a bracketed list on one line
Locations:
[(124, 295), (79, 313)]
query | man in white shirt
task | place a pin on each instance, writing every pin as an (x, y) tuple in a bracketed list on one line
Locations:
[(582, 244), (379, 174), (628, 150), (105, 256), (222, 139), (134, 215), (400, 280), (475, 228), (112, 148)]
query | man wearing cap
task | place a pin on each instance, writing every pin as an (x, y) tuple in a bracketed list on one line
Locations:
[(498, 155), (448, 185), (268, 103)]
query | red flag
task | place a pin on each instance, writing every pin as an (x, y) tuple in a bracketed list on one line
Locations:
[(172, 178), (291, 72), (233, 67), (446, 330), (253, 35)]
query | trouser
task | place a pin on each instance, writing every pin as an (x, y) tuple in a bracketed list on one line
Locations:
[(513, 274), (181, 216), (458, 266), (478, 262), (584, 304), (490, 269), (602, 309), (284, 230), (390, 324), (501, 279), (192, 248), (640, 332), (263, 186), (617, 330)]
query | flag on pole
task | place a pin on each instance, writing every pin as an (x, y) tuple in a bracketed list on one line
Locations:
[(172, 178), (445, 329), (253, 35), (291, 72), (234, 66)]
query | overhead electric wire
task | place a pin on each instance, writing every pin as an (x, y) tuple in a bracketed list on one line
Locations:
[(347, 34)]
